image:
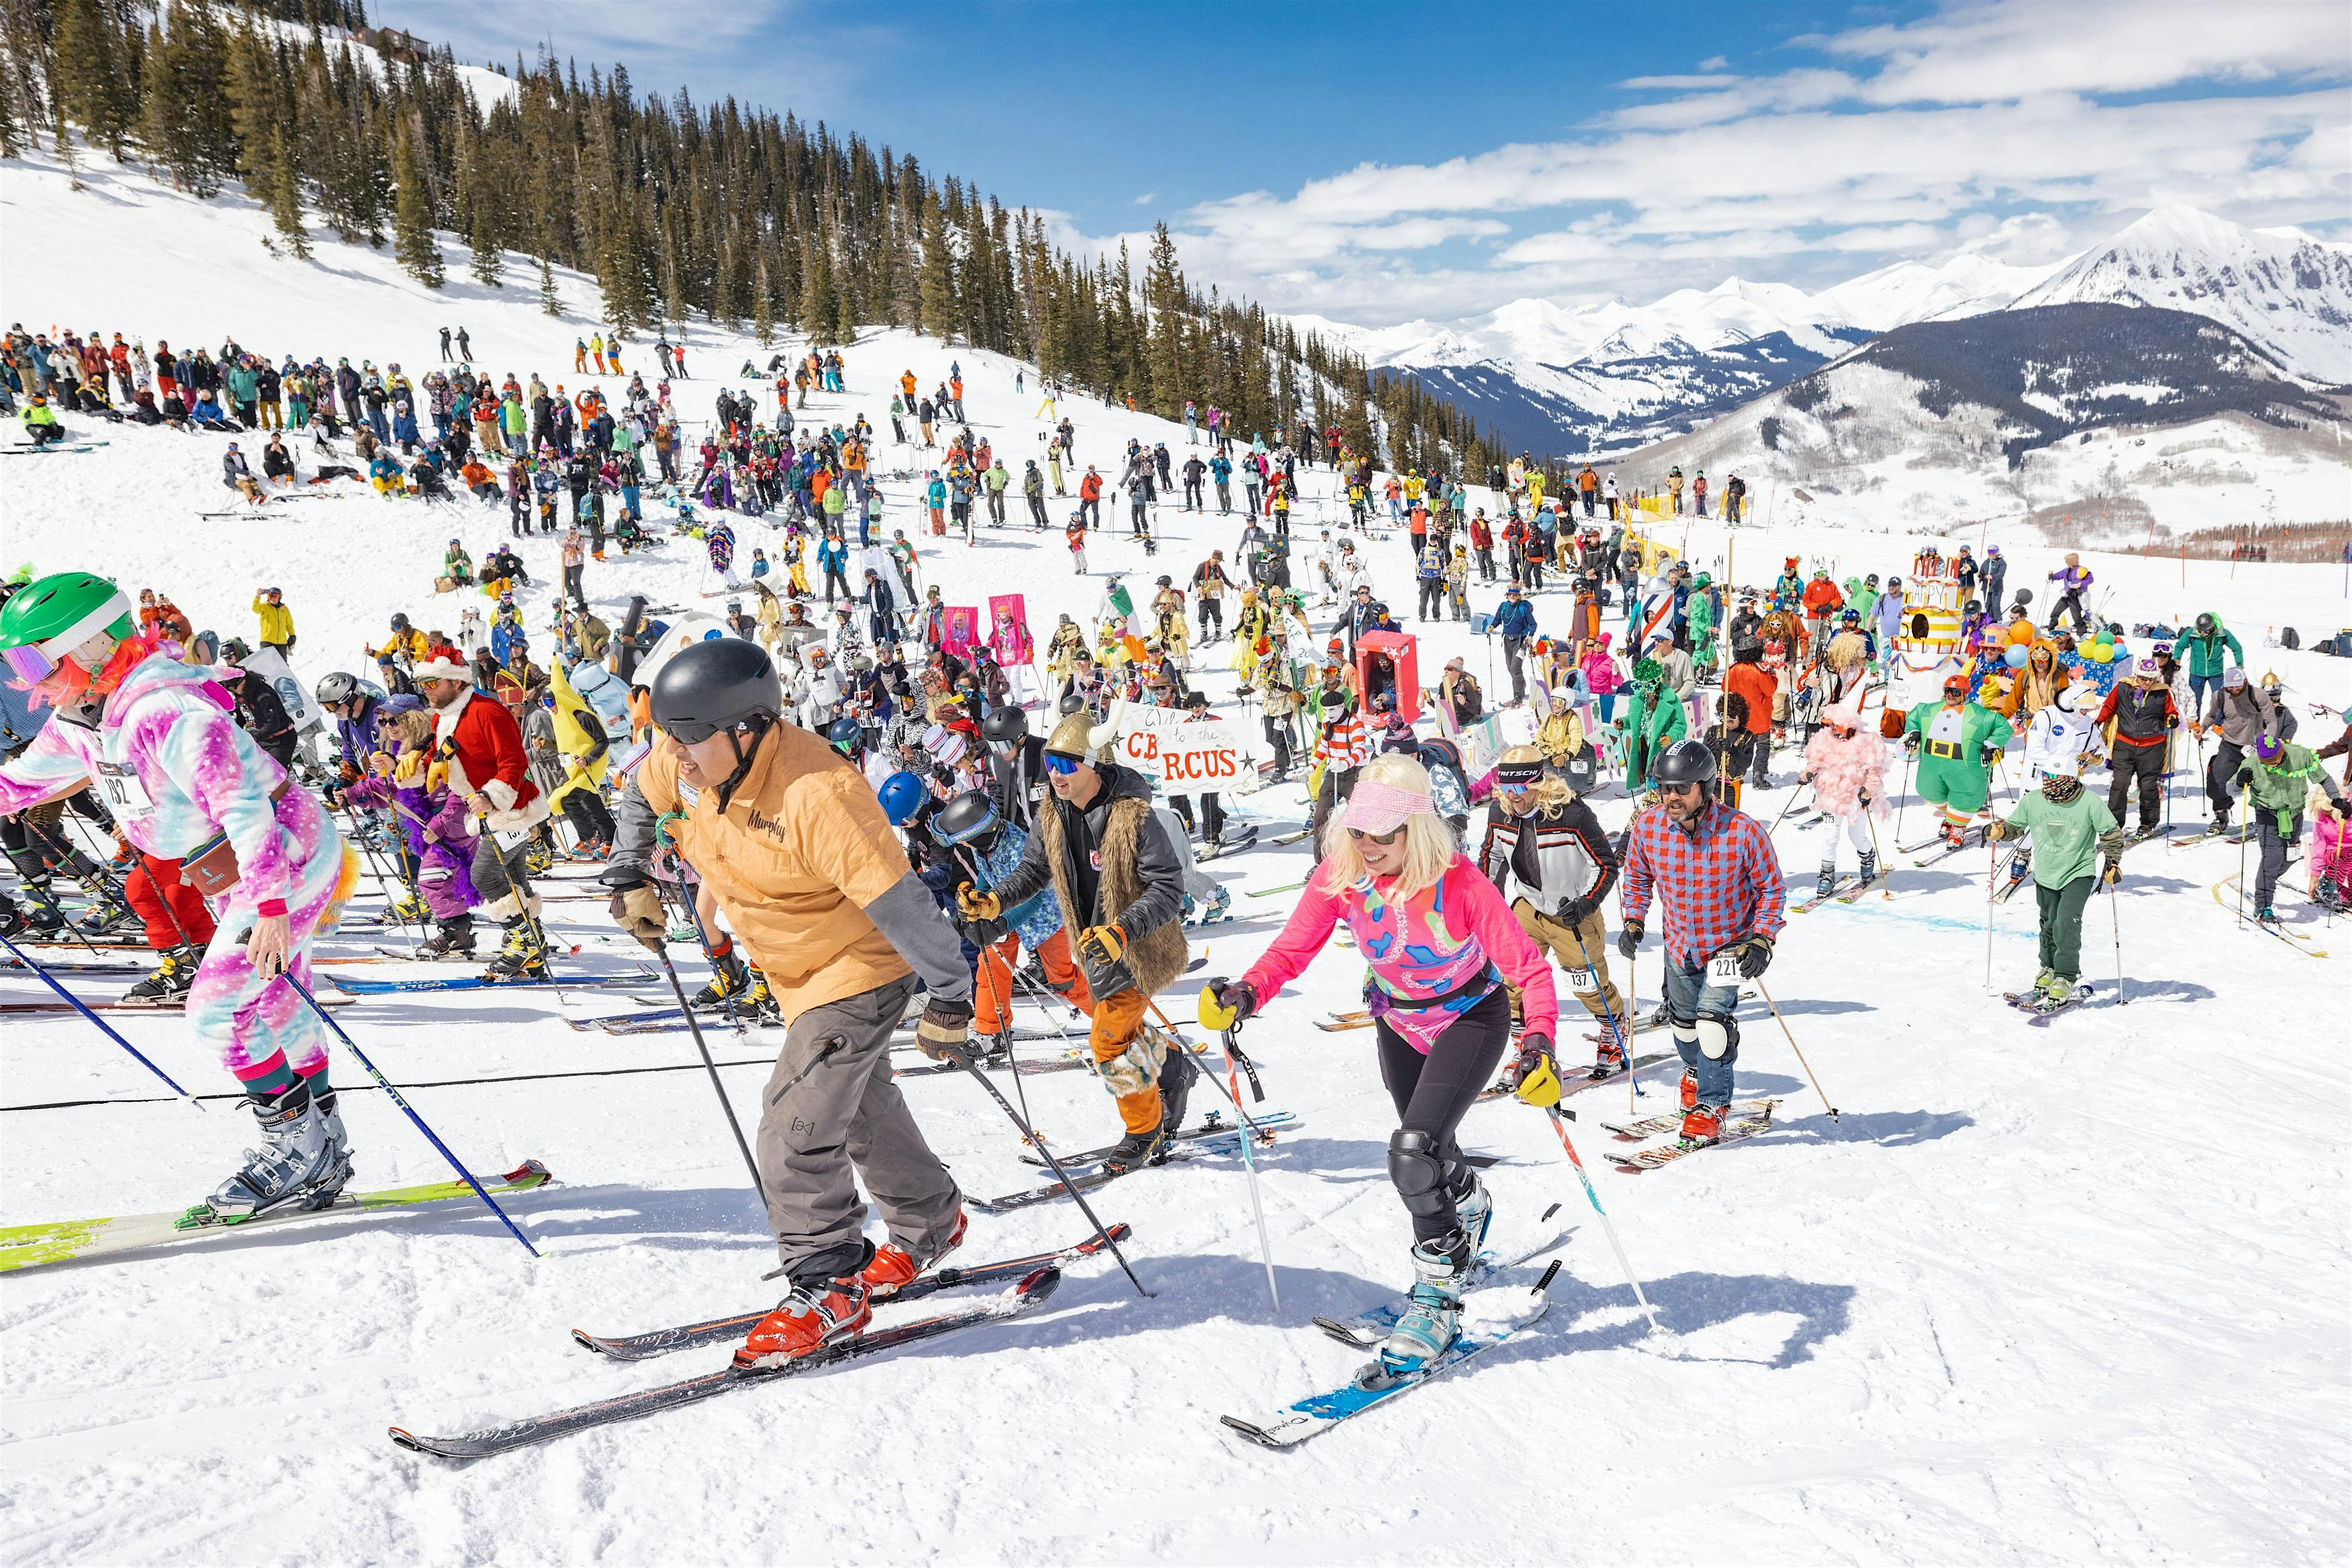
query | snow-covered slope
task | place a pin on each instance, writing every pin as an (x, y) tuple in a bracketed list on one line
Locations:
[(2061, 1295), (2291, 296)]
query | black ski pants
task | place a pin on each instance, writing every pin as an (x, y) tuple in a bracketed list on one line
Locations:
[(2144, 764), (1433, 1092)]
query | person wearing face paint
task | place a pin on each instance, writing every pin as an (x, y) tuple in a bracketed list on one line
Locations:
[(158, 740), (1443, 953)]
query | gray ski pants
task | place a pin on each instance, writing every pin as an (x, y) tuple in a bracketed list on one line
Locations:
[(845, 1120)]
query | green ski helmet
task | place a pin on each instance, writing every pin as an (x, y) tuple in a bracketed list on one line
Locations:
[(49, 618)]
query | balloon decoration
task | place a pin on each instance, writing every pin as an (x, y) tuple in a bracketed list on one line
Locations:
[(2022, 633), (2015, 657)]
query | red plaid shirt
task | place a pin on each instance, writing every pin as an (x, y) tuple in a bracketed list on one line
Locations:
[(1716, 885)]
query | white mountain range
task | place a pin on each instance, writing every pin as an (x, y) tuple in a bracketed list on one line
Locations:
[(1611, 377)]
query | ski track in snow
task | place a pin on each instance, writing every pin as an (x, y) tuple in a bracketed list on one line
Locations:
[(2055, 1295)]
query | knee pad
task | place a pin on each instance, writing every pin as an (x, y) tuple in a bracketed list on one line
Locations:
[(1717, 1037), (1684, 1031), (1417, 1167)]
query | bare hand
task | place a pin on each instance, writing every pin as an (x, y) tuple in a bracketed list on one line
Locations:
[(265, 945)]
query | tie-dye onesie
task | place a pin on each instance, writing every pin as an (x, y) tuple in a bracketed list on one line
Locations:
[(169, 759)]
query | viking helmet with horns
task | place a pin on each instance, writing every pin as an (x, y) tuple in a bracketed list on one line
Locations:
[(1078, 734)]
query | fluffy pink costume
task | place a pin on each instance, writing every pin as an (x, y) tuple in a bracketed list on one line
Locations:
[(1842, 768)]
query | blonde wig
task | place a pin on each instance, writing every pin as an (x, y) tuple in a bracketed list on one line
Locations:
[(1429, 846)]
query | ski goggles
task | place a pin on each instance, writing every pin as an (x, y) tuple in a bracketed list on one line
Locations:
[(30, 664), (1519, 775), (1064, 766)]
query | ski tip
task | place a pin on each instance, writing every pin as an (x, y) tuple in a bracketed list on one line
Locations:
[(1094, 1244), (530, 1170), (1548, 1214), (1255, 1434), (1550, 1273)]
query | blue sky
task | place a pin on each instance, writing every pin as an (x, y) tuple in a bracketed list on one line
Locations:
[(1381, 163)]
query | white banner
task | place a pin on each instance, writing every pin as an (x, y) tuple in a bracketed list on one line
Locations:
[(1189, 757), (270, 665)]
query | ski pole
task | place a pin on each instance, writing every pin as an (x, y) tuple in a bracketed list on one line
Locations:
[(1884, 871), (2115, 914), (1792, 1046), (1992, 856), (1249, 1160), (386, 1085), (1625, 1033), (1004, 1006), (50, 980), (2242, 835), (1560, 1126), (718, 972), (1903, 799), (694, 1028), (382, 884), (963, 1059)]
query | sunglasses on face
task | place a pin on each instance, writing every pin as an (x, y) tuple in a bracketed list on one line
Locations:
[(1361, 837), (1682, 789), (1064, 766)]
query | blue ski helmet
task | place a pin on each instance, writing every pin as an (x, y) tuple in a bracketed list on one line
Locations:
[(902, 797), (847, 735)]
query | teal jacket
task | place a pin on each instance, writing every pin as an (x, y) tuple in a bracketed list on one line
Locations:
[(2201, 656)]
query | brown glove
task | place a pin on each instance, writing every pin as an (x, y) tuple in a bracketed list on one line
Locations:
[(943, 1030), (638, 910)]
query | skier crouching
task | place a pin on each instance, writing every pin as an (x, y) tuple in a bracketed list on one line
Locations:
[(1444, 951), (160, 739)]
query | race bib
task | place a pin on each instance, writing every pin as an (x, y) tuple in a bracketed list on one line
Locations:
[(1582, 982), (124, 795), (1723, 969)]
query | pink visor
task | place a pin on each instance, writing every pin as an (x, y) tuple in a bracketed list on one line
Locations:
[(1381, 808)]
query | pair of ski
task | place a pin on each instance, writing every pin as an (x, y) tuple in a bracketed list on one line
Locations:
[(1756, 1119), (1035, 1278), (1844, 891), (1215, 1127), (67, 1241), (2039, 1009), (1373, 1385), (1232, 843), (1179, 1150), (357, 987)]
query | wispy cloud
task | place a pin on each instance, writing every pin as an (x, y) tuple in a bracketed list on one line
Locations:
[(2014, 127)]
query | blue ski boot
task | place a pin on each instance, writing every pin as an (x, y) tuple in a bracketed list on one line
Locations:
[(1435, 1314)]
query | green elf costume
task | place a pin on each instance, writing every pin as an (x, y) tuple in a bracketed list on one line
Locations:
[(1955, 741), (1651, 723)]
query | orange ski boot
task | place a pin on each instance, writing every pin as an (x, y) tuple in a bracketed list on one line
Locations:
[(894, 1268), (814, 1315)]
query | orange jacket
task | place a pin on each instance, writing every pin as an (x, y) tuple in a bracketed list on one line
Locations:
[(1821, 596)]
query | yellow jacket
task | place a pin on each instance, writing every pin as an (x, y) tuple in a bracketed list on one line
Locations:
[(277, 621)]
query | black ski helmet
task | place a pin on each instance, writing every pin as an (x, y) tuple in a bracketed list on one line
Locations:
[(1005, 727), (714, 685), (335, 688), (847, 736), (968, 818), (1684, 762), (2206, 624)]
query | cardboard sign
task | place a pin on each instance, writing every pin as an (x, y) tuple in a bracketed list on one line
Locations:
[(1189, 757), (958, 629), (270, 665)]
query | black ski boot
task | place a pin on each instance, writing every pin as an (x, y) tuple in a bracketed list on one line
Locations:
[(522, 956), (1176, 1077), (168, 986), (451, 939), (1137, 1150), (1869, 867), (729, 979), (1828, 882)]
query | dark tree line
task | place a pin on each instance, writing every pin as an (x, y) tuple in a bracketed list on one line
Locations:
[(724, 211)]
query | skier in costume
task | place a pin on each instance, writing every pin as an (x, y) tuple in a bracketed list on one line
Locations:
[(1718, 883), (1547, 855), (1442, 953), (482, 746), (1119, 879), (795, 850), (1846, 766), (2279, 776), (186, 784), (2070, 825), (1955, 741), (406, 778), (986, 847)]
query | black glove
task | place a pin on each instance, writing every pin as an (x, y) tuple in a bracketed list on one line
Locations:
[(1911, 742), (1989, 754), (1535, 1076), (1628, 940), (1576, 911), (1755, 953), (943, 1030)]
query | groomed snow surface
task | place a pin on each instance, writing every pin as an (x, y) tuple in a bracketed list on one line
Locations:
[(2065, 1293)]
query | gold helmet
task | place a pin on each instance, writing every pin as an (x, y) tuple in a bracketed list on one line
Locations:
[(1077, 735)]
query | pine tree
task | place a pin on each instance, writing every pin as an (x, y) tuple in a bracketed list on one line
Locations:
[(286, 197), (819, 309), (935, 283), (88, 75), (413, 242), (485, 231), (763, 309), (548, 301)]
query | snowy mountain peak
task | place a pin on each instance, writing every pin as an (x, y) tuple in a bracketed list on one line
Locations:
[(2290, 296)]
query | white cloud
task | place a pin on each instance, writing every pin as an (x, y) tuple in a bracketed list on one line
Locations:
[(1715, 63), (1146, 199), (1988, 127)]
